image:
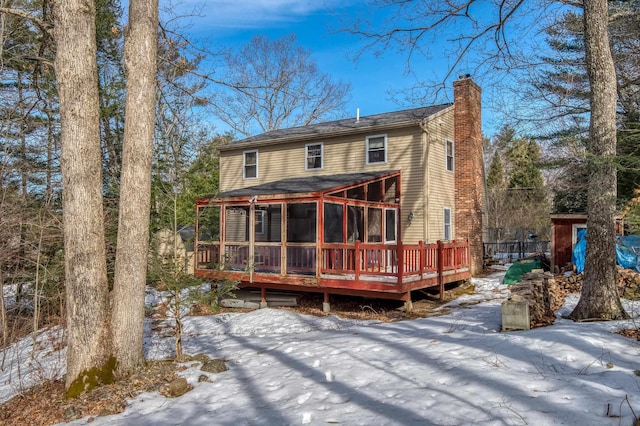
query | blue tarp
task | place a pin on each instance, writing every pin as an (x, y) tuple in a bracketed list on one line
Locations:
[(627, 250), (579, 251)]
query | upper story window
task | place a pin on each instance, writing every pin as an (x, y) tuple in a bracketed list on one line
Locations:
[(376, 149), (313, 156), (449, 153), (250, 164)]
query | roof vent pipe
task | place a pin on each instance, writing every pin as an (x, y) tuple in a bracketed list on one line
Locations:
[(357, 115)]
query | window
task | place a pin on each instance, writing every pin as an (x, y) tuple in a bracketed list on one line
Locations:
[(260, 214), (376, 149), (447, 224), (250, 164), (449, 148), (313, 156)]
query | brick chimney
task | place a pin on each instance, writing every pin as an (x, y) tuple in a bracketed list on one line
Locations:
[(469, 174)]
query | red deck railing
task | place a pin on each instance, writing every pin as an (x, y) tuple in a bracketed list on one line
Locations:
[(384, 260)]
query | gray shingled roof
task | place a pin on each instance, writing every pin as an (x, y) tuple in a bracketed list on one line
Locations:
[(305, 184), (408, 116)]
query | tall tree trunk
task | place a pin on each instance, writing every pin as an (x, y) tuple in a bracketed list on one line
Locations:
[(599, 298), (140, 52), (85, 260)]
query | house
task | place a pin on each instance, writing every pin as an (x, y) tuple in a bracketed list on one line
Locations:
[(376, 206)]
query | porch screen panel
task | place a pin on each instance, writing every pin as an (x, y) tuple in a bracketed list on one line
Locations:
[(237, 224), (301, 228), (355, 223), (268, 230), (333, 223), (208, 250), (391, 187), (209, 223), (374, 191), (374, 225), (301, 222), (267, 247)]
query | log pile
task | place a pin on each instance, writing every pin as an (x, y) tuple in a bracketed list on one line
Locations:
[(540, 291), (545, 293), (628, 282)]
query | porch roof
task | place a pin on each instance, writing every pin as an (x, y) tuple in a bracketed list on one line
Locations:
[(309, 186)]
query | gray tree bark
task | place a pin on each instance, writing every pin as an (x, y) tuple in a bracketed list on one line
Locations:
[(85, 259), (599, 298), (127, 318)]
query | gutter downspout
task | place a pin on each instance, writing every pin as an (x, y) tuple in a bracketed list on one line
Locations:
[(424, 125)]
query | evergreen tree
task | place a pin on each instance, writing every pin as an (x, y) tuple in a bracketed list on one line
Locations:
[(495, 175), (524, 157), (516, 188), (564, 83)]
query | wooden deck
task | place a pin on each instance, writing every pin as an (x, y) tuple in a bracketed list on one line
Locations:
[(373, 270)]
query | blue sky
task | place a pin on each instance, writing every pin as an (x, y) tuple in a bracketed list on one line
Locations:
[(373, 79)]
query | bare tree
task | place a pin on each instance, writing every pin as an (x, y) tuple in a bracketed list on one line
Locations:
[(483, 30), (135, 185), (88, 350), (270, 84)]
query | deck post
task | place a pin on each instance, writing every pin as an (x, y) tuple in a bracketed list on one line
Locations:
[(326, 306), (408, 304), (441, 268), (263, 297)]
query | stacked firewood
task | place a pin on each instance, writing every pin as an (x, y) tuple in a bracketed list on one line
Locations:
[(545, 293), (628, 282), (540, 291)]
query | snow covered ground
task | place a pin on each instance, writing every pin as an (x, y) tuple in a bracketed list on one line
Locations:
[(455, 369)]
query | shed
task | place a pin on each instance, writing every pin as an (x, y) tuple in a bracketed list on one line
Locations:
[(564, 236)]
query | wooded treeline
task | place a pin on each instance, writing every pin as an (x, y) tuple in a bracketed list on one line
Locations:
[(66, 117), (183, 160)]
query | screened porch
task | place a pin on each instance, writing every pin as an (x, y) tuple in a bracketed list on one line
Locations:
[(338, 234)]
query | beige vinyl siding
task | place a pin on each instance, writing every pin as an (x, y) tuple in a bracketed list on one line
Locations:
[(236, 225), (433, 182), (441, 181), (347, 154), (341, 155)]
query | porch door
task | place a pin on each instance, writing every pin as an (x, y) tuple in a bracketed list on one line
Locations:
[(390, 226), (391, 237)]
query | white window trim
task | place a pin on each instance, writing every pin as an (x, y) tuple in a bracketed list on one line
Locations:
[(395, 221), (453, 155), (306, 156), (244, 164), (444, 224), (366, 152), (574, 233)]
